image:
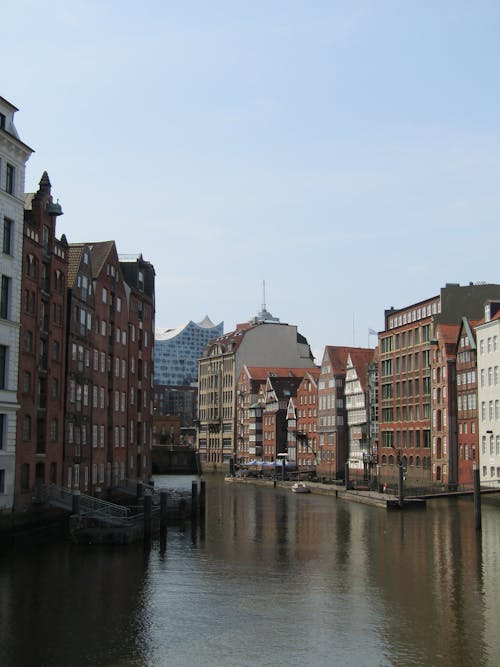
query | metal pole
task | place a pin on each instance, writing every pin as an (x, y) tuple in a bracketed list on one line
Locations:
[(477, 496), (400, 485)]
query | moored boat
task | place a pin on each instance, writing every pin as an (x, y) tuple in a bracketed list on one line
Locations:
[(300, 487)]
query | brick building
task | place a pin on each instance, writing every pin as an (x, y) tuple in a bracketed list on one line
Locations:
[(264, 343), (248, 427), (466, 388), (302, 421), (332, 416), (40, 427), (444, 406), (405, 375), (139, 277)]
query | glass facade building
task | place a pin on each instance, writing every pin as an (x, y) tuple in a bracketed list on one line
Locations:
[(177, 351)]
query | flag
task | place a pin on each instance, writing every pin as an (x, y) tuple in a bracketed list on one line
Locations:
[(372, 332)]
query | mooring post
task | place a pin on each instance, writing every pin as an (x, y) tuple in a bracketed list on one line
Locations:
[(194, 497), (203, 491), (75, 502), (148, 513), (346, 476), (139, 490), (477, 496), (163, 506), (400, 485)]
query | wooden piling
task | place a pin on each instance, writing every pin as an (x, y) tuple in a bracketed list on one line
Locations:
[(148, 514), (203, 492), (194, 497), (477, 496), (75, 502)]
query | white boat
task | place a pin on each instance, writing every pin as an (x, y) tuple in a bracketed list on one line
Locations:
[(300, 487)]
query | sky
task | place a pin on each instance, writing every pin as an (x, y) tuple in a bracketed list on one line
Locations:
[(346, 153)]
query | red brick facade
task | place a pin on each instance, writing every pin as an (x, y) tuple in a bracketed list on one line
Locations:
[(41, 379)]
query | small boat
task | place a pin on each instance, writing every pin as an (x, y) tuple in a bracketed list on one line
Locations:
[(300, 487)]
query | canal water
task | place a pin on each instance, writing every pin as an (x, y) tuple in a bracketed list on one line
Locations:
[(271, 578)]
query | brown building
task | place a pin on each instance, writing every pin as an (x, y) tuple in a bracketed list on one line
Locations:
[(109, 369), (332, 418), (139, 277), (444, 405), (274, 397), (97, 378), (405, 377), (467, 409), (40, 421), (248, 425), (166, 431), (263, 343), (302, 418)]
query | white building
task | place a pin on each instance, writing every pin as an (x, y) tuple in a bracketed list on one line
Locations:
[(356, 405), (13, 157), (488, 368)]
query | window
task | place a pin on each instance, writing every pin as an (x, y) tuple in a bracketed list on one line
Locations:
[(10, 178), (4, 297), (28, 341), (3, 426), (7, 236), (27, 428), (3, 366)]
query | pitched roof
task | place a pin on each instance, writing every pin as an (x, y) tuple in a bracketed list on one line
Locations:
[(361, 358), (284, 387), (338, 355), (99, 252), (75, 253), (448, 333)]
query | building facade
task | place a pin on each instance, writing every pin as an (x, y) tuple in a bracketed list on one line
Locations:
[(13, 157), (177, 351), (488, 367), (261, 344), (139, 282), (42, 354), (332, 418), (467, 414), (358, 408), (405, 376), (444, 463)]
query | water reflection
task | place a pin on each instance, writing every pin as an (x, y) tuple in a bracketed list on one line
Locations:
[(269, 578)]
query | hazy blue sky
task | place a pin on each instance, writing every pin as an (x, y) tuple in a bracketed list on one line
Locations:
[(347, 153)]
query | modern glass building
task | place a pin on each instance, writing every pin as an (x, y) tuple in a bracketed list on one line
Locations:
[(177, 351)]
